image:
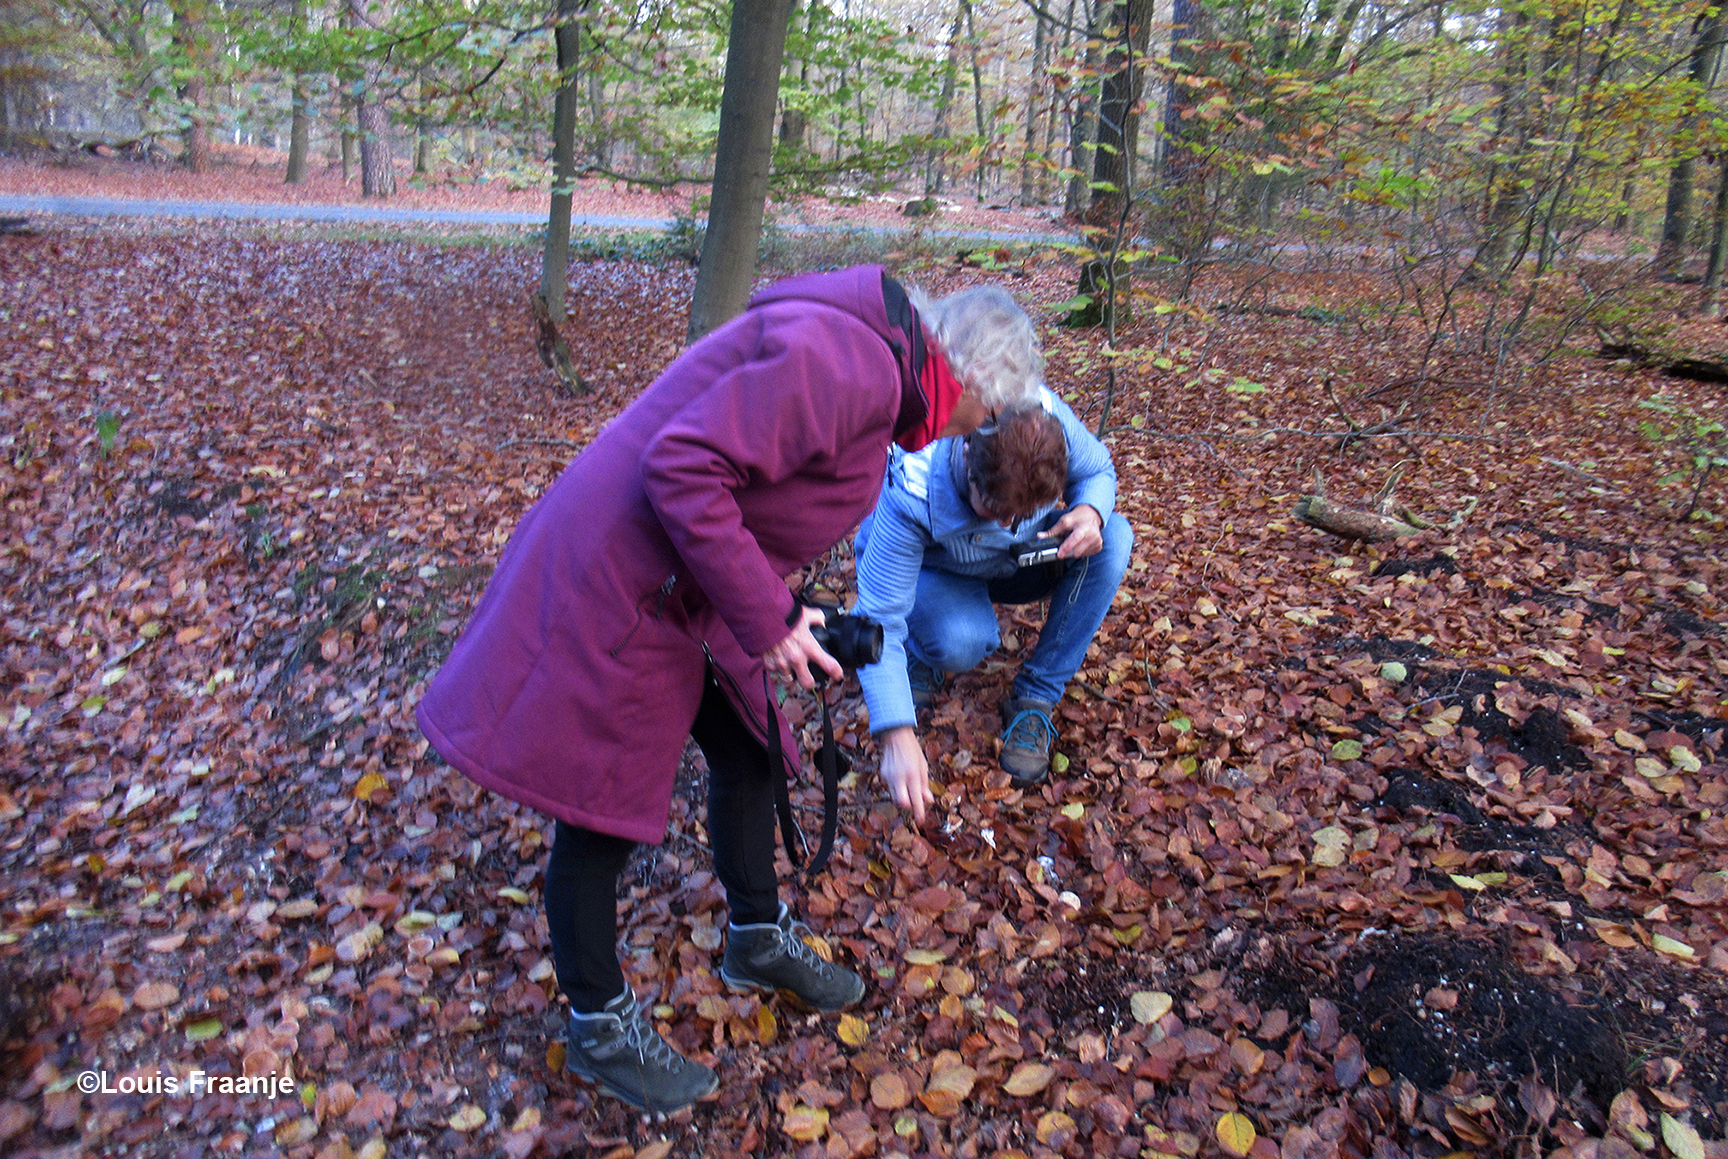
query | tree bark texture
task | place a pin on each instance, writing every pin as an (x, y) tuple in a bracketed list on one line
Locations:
[(372, 123), (300, 127), (191, 37), (743, 154), (935, 168), (1677, 211), (1128, 25), (555, 265)]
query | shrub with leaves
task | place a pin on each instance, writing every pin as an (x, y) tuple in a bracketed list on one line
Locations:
[(1701, 440)]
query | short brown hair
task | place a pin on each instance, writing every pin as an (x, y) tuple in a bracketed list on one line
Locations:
[(1020, 465)]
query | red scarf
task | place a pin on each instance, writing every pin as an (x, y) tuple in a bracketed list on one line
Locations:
[(941, 395)]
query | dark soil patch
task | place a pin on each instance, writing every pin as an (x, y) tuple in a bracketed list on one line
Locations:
[(1444, 564), (1541, 738), (1428, 1005), (175, 497)]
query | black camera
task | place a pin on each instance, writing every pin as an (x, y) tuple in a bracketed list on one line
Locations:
[(854, 641), (1031, 552)]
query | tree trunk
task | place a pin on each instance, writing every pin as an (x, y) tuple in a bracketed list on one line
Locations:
[(1119, 113), (935, 169), (555, 266), (1504, 196), (1677, 212), (979, 127), (794, 122), (1035, 86), (755, 49), (1718, 246), (1084, 127), (300, 128), (191, 37), (372, 124)]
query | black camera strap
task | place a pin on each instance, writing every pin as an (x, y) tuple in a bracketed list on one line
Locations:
[(833, 764)]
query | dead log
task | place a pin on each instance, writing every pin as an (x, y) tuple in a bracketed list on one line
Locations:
[(1388, 520), (1351, 522), (553, 350)]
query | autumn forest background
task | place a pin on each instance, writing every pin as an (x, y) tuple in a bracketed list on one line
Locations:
[(1404, 842)]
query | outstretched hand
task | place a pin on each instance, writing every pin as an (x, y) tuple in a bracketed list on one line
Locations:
[(905, 771)]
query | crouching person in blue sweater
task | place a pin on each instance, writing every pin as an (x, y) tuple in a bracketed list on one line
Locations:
[(943, 546)]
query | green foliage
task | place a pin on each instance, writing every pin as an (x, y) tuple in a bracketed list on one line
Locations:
[(107, 427), (1700, 440)]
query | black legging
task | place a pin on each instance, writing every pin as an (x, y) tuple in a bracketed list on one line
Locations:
[(582, 873)]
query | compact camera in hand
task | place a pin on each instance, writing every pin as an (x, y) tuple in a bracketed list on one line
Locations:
[(854, 641), (1035, 551)]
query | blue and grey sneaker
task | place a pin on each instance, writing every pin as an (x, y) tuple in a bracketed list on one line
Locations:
[(1028, 732), (618, 1051), (925, 680)]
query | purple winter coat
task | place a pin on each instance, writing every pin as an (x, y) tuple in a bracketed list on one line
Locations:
[(666, 542)]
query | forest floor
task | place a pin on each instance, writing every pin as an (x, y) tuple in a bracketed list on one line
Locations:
[(1409, 849)]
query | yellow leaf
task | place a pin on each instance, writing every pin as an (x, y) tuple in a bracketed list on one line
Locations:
[(1029, 1078), (204, 1030), (1074, 810), (511, 893), (1054, 1125), (469, 1118), (1058, 763), (805, 1124), (1682, 757), (369, 784), (1464, 882), (854, 1031), (1663, 944), (1236, 1133), (767, 1026), (1148, 1006), (925, 957), (1681, 1138)]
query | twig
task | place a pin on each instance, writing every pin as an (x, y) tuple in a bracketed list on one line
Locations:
[(507, 443), (1584, 475)]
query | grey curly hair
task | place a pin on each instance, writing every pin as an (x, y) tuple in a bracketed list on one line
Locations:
[(989, 342)]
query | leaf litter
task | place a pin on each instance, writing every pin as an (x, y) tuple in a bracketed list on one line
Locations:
[(1356, 851)]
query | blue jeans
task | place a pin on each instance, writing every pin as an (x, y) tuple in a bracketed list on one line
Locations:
[(952, 625)]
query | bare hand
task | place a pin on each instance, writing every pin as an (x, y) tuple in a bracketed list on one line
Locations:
[(1081, 531), (906, 772), (791, 658)]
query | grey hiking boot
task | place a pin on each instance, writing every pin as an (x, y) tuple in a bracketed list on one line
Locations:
[(924, 680), (618, 1051), (774, 956), (1028, 732)]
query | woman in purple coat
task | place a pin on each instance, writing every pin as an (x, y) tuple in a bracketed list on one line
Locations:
[(643, 599)]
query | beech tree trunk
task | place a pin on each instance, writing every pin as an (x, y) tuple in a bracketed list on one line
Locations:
[(372, 124), (300, 128), (192, 40), (754, 53), (1677, 211), (555, 265)]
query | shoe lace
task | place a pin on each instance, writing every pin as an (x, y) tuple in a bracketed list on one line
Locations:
[(647, 1041), (800, 950), (1032, 728)]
